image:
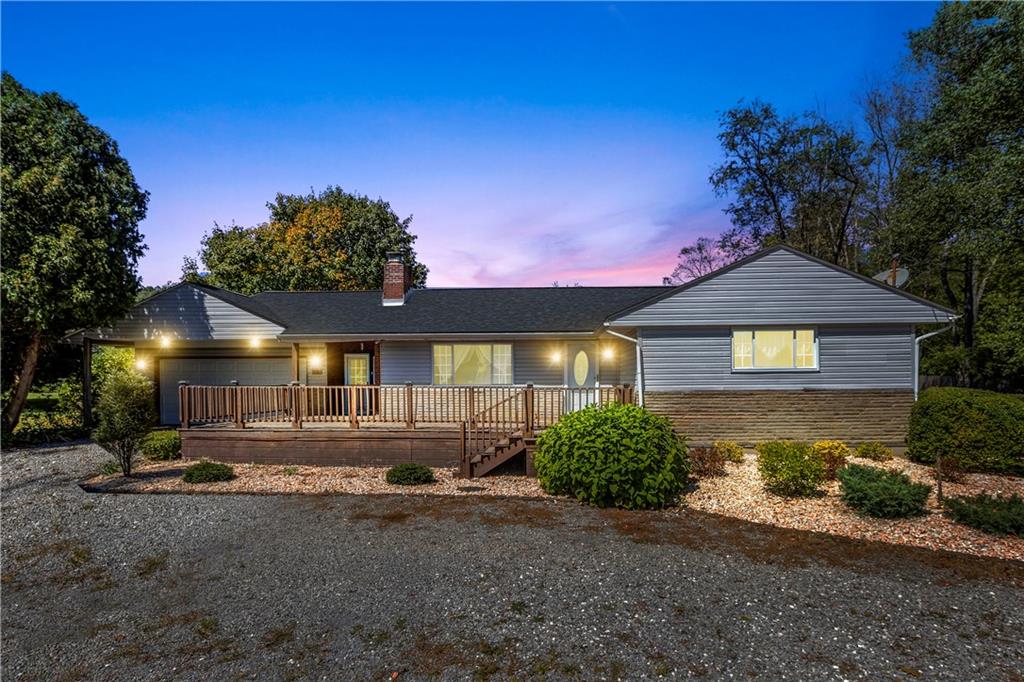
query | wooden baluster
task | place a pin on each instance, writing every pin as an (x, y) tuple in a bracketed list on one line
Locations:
[(353, 419), (528, 411), (410, 408)]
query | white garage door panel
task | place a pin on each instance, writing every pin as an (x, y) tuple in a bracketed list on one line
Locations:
[(219, 372)]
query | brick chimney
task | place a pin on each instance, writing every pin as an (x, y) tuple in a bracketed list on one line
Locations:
[(397, 279)]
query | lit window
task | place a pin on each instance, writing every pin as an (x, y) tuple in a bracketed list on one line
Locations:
[(468, 364), (774, 349)]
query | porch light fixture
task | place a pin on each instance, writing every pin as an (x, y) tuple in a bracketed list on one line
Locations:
[(608, 353), (165, 341), (316, 362), (141, 364), (254, 342), (556, 356)]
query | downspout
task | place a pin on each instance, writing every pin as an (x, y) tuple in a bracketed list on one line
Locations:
[(639, 361), (917, 351)]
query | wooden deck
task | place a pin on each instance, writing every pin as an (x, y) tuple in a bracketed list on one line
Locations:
[(476, 428)]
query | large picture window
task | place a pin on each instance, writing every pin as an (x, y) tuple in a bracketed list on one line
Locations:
[(466, 364), (755, 349)]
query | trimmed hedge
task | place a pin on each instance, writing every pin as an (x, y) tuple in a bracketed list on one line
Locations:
[(790, 468), (613, 456), (982, 430), (208, 472), (409, 473), (998, 515), (161, 445), (885, 494)]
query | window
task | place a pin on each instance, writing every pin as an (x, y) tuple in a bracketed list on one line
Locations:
[(472, 363), (774, 349)]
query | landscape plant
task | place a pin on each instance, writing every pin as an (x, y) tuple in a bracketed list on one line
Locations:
[(875, 451), (126, 411), (1000, 515), (790, 468), (410, 473), (882, 493), (208, 472), (706, 461), (613, 456), (161, 445), (833, 454), (730, 450)]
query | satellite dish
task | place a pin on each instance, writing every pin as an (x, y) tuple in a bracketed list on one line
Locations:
[(894, 277)]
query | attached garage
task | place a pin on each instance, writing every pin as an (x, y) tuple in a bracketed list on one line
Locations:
[(218, 372)]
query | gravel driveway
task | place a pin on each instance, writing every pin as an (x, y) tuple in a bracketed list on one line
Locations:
[(104, 586)]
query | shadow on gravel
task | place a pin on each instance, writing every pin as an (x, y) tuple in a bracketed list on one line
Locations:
[(121, 484), (699, 531)]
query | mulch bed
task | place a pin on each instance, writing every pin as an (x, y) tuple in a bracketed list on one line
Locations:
[(738, 494)]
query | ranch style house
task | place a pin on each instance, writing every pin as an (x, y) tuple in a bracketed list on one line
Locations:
[(777, 345)]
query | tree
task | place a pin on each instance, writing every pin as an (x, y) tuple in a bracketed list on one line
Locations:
[(700, 258), (798, 181), (333, 240), (126, 411), (958, 211), (71, 242)]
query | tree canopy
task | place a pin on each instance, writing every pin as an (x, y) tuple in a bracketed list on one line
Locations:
[(70, 218), (333, 240)]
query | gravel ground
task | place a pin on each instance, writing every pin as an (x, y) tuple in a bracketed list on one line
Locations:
[(102, 586)]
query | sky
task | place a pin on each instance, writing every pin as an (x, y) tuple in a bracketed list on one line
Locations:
[(531, 143)]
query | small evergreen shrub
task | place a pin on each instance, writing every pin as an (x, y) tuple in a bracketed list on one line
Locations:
[(161, 445), (36, 428), (208, 472), (706, 462), (731, 450), (833, 454), (885, 494), (874, 450), (790, 468), (126, 410), (983, 429), (410, 473), (613, 456), (290, 470), (991, 514)]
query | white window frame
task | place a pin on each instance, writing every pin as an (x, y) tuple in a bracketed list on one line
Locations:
[(753, 350), (451, 361)]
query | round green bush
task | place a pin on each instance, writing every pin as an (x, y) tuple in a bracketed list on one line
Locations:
[(208, 472), (409, 473), (613, 456), (875, 451), (161, 445), (882, 493), (790, 468), (982, 430), (992, 514)]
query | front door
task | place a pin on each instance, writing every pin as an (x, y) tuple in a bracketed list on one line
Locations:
[(581, 374), (357, 373)]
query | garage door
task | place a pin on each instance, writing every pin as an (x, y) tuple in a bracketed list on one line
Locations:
[(218, 372)]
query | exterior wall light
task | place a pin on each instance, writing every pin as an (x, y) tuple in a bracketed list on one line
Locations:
[(316, 362), (556, 356), (165, 341), (254, 342), (608, 353), (141, 364)]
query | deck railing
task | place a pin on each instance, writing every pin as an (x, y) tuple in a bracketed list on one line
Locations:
[(532, 408)]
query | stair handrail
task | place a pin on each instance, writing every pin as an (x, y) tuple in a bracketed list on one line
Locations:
[(487, 427)]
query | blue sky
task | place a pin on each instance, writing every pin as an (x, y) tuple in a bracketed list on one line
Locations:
[(530, 142)]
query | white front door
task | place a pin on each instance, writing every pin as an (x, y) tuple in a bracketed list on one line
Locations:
[(581, 374)]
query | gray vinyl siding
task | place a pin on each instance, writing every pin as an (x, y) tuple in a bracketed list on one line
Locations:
[(402, 361), (532, 363), (848, 358), (782, 288), (187, 312)]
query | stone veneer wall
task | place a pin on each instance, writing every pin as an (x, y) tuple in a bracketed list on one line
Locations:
[(748, 417)]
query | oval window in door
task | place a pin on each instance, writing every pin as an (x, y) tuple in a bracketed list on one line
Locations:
[(581, 368)]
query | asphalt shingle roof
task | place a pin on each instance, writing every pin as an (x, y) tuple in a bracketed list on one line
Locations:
[(454, 311)]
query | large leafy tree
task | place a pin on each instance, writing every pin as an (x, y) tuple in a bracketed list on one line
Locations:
[(959, 197), (333, 240), (70, 218)]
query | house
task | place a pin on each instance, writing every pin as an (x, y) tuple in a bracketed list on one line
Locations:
[(777, 345)]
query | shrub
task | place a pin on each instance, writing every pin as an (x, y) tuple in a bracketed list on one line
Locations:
[(706, 462), (875, 451), (833, 454), (208, 472), (161, 445), (984, 430), (36, 428), (731, 450), (790, 468), (410, 473), (126, 411), (110, 467), (881, 493), (992, 514), (613, 456)]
